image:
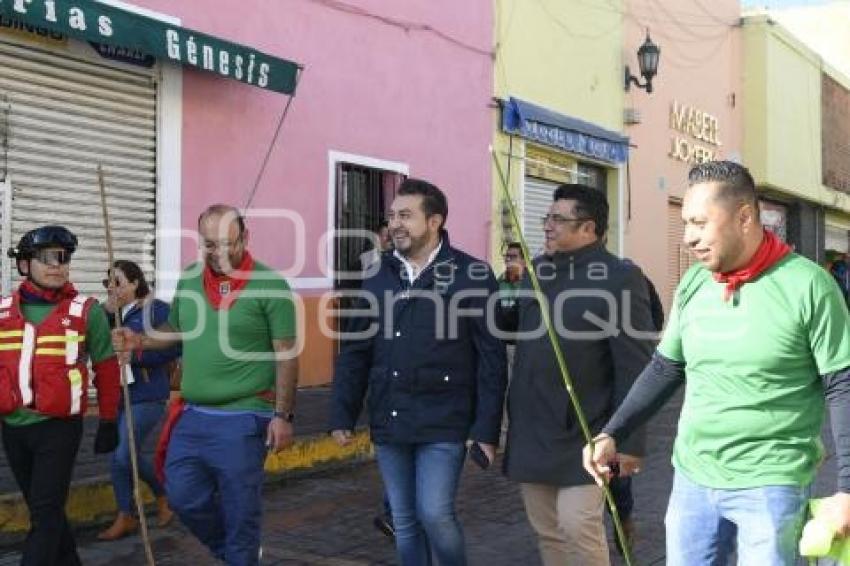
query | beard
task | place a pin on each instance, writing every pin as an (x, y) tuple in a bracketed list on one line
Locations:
[(407, 244)]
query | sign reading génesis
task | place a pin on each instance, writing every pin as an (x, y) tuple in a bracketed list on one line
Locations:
[(96, 22)]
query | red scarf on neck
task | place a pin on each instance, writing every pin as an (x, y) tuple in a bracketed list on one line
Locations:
[(32, 293), (771, 250), (223, 290)]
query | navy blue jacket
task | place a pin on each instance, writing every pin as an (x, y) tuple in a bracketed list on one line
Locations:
[(433, 369), (155, 385)]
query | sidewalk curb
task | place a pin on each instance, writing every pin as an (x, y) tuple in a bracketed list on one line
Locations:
[(91, 501)]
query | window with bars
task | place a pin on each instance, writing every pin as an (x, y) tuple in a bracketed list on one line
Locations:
[(362, 199)]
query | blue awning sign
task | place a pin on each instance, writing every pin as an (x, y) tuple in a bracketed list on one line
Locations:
[(545, 126)]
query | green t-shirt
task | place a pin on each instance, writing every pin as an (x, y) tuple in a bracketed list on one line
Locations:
[(507, 292), (228, 356), (754, 402), (98, 346)]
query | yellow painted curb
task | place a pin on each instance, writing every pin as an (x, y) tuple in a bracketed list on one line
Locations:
[(317, 450), (88, 502)]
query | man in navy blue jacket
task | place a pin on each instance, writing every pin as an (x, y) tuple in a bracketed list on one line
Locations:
[(435, 373)]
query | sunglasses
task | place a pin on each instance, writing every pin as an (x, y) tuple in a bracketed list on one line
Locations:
[(52, 257)]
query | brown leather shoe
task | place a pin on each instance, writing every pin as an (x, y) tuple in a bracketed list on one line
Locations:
[(164, 514), (124, 525)]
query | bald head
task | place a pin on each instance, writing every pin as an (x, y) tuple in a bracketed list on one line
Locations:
[(223, 237)]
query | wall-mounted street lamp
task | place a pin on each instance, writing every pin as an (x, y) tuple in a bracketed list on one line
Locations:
[(648, 55)]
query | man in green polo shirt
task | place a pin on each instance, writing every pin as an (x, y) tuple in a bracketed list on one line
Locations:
[(235, 318), (760, 337)]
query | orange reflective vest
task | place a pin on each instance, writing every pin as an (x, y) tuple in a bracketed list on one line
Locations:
[(43, 367)]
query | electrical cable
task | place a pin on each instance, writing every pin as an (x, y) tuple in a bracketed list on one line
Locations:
[(272, 144), (404, 25)]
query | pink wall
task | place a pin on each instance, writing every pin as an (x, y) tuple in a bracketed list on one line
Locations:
[(700, 66), (369, 88)]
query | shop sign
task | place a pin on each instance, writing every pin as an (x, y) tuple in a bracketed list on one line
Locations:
[(696, 137)]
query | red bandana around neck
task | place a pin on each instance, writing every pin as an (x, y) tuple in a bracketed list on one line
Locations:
[(222, 290), (31, 293), (771, 250)]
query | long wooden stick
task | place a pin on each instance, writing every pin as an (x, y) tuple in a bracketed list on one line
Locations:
[(559, 354), (128, 408)]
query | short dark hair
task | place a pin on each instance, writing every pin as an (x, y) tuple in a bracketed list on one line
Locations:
[(513, 246), (433, 199), (133, 273), (733, 179), (590, 203), (222, 210)]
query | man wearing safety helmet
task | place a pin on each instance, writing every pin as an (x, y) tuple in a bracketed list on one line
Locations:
[(48, 333)]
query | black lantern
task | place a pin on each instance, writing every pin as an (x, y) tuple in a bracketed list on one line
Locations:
[(648, 55)]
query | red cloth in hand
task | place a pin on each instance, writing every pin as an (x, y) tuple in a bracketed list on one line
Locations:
[(175, 411), (107, 379)]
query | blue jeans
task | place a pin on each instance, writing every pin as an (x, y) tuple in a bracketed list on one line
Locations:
[(214, 481), (703, 524), (421, 482), (145, 418)]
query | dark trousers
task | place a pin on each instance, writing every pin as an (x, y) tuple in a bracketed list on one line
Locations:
[(42, 457), (621, 491)]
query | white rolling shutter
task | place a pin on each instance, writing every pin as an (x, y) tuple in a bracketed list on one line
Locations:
[(67, 115), (536, 199)]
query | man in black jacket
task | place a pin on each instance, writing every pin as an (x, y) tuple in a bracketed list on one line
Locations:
[(434, 372), (599, 306)]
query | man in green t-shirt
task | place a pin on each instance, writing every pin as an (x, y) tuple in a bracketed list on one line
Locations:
[(760, 337), (235, 318), (49, 335)]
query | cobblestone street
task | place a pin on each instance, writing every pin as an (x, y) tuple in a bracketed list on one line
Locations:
[(325, 518)]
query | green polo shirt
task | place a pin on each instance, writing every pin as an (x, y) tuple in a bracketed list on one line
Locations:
[(228, 356), (754, 402)]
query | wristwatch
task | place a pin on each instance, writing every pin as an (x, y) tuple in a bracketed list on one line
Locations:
[(287, 416)]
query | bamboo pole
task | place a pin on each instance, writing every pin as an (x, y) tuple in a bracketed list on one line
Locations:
[(559, 354), (128, 412)]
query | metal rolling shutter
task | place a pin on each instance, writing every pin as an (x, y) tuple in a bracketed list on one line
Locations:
[(66, 115), (679, 259), (536, 200)]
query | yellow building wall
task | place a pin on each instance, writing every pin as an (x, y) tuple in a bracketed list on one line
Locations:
[(564, 55), (782, 125)]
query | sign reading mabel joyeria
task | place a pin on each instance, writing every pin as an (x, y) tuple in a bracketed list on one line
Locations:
[(700, 141), (93, 21)]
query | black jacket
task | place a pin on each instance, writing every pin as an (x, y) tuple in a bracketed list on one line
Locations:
[(544, 437), (433, 369)]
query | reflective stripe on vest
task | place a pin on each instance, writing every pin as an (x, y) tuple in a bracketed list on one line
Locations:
[(72, 337), (25, 364), (76, 307), (71, 350), (15, 344), (76, 379)]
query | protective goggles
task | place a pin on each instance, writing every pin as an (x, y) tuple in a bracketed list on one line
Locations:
[(52, 257)]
